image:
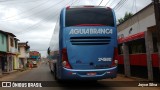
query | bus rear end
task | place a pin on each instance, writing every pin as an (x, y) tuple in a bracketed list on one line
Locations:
[(88, 44)]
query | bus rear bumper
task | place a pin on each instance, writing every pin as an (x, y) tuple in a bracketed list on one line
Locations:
[(96, 74)]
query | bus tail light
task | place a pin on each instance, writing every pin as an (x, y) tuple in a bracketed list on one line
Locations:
[(109, 8), (115, 58), (68, 7), (65, 61)]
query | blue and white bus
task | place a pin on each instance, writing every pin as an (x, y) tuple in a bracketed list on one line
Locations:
[(87, 44)]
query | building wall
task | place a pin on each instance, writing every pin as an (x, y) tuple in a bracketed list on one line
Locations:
[(22, 52), (3, 47), (13, 62), (16, 47), (139, 22), (16, 59), (16, 62), (140, 56), (140, 26), (11, 48)]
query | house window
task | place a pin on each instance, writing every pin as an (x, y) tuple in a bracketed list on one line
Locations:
[(2, 39), (11, 42), (130, 31), (137, 46), (19, 49), (15, 44)]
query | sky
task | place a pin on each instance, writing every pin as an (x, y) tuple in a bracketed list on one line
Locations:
[(34, 20)]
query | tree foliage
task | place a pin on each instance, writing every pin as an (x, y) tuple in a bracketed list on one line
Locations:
[(126, 16)]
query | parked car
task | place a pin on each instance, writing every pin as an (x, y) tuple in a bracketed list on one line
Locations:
[(34, 63)]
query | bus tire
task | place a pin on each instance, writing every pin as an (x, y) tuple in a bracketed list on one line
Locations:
[(55, 73), (51, 71)]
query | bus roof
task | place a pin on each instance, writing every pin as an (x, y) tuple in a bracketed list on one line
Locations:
[(87, 6)]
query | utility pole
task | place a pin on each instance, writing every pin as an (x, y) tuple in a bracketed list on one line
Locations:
[(157, 18)]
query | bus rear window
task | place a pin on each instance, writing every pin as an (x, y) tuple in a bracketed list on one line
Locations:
[(89, 16)]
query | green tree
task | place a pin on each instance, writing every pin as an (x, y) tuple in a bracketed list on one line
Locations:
[(120, 20), (126, 16)]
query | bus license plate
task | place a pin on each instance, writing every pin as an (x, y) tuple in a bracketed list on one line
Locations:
[(91, 74)]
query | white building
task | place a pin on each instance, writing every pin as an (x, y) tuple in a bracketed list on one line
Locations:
[(138, 46), (24, 53)]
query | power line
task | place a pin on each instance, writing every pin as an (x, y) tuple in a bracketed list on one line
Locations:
[(74, 2), (54, 29), (19, 33), (133, 4), (107, 2), (41, 21), (43, 10), (131, 19), (17, 2), (111, 3), (78, 1), (27, 10), (6, 1), (123, 3), (100, 3), (54, 43), (118, 4), (57, 22), (138, 27)]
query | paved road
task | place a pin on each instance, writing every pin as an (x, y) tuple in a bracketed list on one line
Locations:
[(42, 73)]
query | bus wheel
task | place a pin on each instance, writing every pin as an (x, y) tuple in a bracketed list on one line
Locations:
[(51, 71), (55, 73)]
